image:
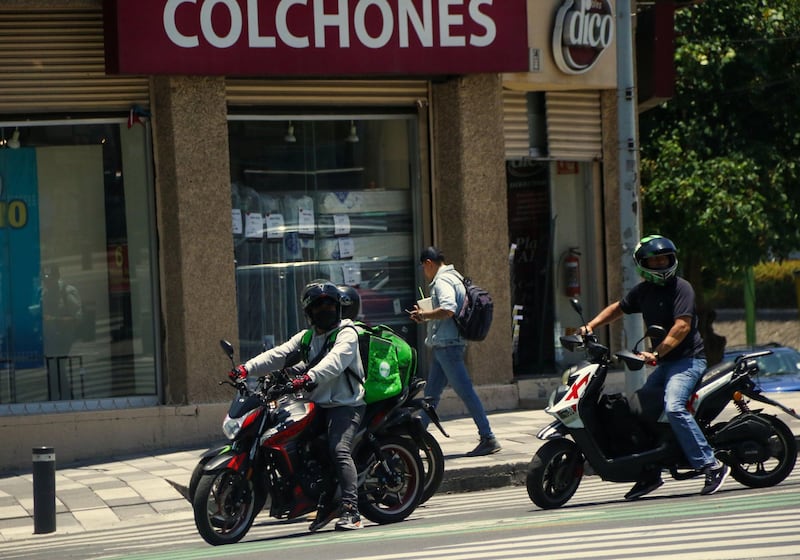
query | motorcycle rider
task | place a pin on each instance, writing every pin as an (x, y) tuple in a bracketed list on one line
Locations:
[(668, 300), (340, 398), (350, 300)]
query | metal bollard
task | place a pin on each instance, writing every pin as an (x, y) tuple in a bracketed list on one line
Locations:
[(44, 490)]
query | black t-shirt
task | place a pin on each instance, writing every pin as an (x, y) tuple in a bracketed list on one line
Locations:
[(661, 305)]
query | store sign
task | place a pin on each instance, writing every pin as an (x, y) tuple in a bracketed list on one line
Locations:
[(315, 37), (582, 32)]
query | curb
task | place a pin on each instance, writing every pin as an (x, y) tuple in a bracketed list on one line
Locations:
[(472, 479)]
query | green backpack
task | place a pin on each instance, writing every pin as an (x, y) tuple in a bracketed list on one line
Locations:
[(389, 362)]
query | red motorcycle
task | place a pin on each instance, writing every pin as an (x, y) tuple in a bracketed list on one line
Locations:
[(278, 459)]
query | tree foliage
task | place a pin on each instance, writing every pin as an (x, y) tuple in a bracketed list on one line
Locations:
[(721, 159)]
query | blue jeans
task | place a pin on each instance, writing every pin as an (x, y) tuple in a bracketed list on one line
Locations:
[(447, 367), (678, 379)]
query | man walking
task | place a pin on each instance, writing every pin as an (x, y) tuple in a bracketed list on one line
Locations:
[(448, 346)]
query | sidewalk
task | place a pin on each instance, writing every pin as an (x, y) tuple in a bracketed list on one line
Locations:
[(92, 497)]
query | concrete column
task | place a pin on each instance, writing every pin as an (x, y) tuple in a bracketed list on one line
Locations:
[(193, 199), (470, 220)]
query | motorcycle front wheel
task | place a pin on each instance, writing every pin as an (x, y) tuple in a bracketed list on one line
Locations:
[(224, 506), (760, 464), (392, 480), (554, 473)]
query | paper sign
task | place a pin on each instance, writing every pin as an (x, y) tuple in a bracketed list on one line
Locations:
[(341, 224), (254, 225), (306, 222), (275, 226), (346, 248), (236, 218), (351, 274)]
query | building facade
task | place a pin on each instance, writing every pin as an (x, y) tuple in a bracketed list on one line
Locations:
[(174, 177)]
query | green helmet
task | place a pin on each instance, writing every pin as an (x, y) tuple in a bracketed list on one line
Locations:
[(653, 246)]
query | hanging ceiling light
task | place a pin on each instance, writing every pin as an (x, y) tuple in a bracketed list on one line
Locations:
[(290, 137), (353, 136)]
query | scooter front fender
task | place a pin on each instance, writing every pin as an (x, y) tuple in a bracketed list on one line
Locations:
[(554, 430)]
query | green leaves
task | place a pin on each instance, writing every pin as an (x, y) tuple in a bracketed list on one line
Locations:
[(721, 160)]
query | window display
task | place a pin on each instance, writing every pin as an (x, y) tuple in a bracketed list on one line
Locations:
[(76, 267), (322, 197)]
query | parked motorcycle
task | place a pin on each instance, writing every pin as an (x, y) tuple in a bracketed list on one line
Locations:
[(597, 433), (278, 459)]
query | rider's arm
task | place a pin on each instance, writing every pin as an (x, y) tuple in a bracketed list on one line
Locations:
[(274, 358), (607, 315), (680, 328)]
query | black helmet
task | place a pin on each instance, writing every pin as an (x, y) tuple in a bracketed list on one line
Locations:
[(351, 302), (653, 246), (317, 292)]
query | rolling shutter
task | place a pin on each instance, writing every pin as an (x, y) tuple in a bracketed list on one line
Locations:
[(52, 60), (242, 92), (574, 129), (515, 124)]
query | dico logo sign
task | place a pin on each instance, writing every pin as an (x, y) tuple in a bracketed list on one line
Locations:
[(583, 30)]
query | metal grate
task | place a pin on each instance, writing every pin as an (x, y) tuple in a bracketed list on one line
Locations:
[(515, 124), (241, 91), (52, 60), (574, 125)]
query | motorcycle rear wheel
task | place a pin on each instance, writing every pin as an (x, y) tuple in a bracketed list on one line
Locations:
[(776, 457), (224, 506), (389, 496), (433, 463), (554, 473)]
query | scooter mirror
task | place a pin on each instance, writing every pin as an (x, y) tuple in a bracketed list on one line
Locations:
[(227, 347), (655, 331), (576, 305)]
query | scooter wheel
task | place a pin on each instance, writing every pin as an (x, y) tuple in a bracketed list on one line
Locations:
[(760, 464), (554, 473)]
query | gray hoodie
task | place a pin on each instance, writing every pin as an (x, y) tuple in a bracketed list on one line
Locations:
[(335, 386)]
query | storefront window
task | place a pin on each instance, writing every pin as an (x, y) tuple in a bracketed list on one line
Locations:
[(76, 267), (322, 197)]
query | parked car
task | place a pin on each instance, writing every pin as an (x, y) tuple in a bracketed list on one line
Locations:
[(780, 371)]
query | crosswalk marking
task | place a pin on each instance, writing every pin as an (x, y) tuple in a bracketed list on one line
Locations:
[(719, 523)]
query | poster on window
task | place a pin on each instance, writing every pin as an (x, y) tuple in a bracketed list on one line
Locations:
[(19, 252)]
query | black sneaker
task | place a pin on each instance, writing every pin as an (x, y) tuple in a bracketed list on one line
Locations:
[(487, 446), (643, 487), (715, 477), (349, 521), (324, 516)]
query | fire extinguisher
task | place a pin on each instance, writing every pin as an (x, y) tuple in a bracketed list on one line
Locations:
[(572, 273)]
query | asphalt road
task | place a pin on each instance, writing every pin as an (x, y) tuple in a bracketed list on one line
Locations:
[(673, 522)]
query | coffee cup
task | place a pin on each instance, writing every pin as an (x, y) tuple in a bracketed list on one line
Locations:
[(426, 304)]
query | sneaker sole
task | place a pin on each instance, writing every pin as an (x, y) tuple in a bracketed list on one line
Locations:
[(349, 527)]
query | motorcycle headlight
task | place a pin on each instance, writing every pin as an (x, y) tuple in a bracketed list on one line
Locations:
[(232, 426)]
